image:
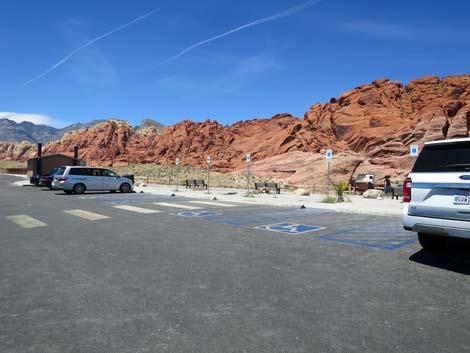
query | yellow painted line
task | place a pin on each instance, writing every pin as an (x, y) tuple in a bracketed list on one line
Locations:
[(136, 209), (176, 205), (213, 203), (86, 215), (25, 221)]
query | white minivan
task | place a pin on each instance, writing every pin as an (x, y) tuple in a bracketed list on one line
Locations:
[(437, 194), (80, 179)]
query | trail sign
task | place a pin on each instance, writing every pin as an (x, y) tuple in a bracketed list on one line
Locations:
[(248, 157), (209, 159), (177, 161), (414, 150), (329, 155)]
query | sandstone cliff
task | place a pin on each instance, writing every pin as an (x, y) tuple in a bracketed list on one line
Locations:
[(370, 129)]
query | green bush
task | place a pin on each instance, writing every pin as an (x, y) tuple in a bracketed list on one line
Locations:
[(329, 200), (340, 189)]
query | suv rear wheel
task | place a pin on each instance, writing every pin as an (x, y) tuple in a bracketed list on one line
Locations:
[(433, 243), (79, 188), (125, 188)]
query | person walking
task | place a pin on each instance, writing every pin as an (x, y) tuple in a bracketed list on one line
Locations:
[(370, 183), (388, 186)]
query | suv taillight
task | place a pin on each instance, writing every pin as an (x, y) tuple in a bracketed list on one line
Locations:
[(407, 190), (62, 179)]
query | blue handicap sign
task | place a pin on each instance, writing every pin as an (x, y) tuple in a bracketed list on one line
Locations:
[(196, 214), (290, 228)]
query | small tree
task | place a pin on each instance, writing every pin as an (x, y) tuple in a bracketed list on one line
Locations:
[(340, 189)]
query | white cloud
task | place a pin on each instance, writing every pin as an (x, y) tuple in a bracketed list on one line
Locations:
[(38, 119)]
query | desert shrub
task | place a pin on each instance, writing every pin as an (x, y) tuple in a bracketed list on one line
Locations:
[(340, 189), (329, 200)]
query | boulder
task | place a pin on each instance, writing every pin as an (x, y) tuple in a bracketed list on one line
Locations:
[(302, 192), (373, 194)]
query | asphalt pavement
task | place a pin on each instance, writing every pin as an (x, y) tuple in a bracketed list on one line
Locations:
[(138, 273)]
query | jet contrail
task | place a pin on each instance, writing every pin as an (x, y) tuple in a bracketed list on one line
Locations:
[(75, 51), (276, 16)]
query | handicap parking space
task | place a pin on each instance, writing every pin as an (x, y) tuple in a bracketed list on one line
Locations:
[(386, 235)]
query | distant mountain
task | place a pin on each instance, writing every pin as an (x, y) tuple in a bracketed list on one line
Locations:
[(11, 131), (146, 123), (80, 126)]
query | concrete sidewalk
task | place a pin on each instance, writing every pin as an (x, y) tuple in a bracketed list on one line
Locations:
[(357, 204)]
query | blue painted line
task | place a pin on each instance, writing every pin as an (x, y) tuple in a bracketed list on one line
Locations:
[(362, 236), (122, 202), (240, 220), (196, 214)]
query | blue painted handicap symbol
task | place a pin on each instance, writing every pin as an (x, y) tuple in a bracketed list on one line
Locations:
[(197, 214), (290, 228)]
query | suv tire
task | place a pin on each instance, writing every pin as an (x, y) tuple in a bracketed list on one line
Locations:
[(79, 188), (433, 243), (125, 188)]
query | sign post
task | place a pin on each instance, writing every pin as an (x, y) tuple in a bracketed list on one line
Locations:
[(177, 173), (414, 152), (209, 160), (329, 157), (248, 160)]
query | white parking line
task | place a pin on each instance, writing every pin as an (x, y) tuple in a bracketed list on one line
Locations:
[(25, 221), (86, 215), (177, 205), (136, 209), (213, 203)]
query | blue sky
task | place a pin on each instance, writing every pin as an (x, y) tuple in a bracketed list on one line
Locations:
[(284, 65)]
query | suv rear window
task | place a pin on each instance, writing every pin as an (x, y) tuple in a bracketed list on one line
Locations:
[(449, 157), (60, 171)]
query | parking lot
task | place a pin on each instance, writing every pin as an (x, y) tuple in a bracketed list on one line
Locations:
[(105, 272)]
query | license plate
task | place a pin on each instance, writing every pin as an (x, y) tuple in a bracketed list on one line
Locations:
[(461, 199)]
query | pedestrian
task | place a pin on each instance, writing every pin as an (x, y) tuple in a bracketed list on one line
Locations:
[(370, 183), (387, 185)]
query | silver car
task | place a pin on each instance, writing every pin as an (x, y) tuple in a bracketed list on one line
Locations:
[(437, 194), (80, 179)]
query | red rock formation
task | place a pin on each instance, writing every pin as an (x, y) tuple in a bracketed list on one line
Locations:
[(371, 128)]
